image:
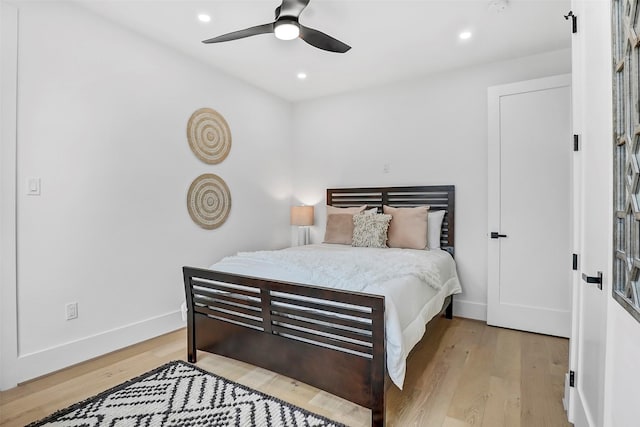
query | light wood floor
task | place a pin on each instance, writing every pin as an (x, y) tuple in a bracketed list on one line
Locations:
[(462, 373)]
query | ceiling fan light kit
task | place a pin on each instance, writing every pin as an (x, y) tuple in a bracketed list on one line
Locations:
[(287, 27)]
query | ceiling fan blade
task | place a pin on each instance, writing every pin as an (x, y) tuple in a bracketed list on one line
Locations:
[(322, 41), (291, 8), (248, 32)]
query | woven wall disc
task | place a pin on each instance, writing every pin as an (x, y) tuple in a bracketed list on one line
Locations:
[(209, 136), (209, 201)]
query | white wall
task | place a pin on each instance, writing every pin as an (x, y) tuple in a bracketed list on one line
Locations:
[(429, 131), (102, 116)]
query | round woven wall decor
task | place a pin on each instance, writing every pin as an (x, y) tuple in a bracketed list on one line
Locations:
[(209, 201), (209, 136)]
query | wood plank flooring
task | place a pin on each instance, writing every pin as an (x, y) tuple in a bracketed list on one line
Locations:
[(463, 373)]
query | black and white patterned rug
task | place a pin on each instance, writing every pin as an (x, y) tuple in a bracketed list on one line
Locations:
[(180, 394)]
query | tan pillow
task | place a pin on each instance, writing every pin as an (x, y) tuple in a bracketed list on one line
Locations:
[(336, 231), (339, 229), (408, 227), (352, 211)]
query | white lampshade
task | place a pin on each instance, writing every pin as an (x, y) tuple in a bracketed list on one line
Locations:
[(302, 215), (287, 30)]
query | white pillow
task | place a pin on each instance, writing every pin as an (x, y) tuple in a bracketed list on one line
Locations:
[(434, 227)]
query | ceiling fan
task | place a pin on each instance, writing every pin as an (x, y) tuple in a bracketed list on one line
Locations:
[(287, 27)]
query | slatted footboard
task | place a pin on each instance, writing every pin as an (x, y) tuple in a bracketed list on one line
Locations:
[(330, 339)]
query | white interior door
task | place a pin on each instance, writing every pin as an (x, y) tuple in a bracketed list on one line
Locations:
[(530, 176)]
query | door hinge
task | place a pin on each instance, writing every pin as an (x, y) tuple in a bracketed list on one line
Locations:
[(574, 21), (576, 143), (572, 379), (575, 262)]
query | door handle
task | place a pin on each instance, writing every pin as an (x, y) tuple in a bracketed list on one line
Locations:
[(495, 235), (593, 280)]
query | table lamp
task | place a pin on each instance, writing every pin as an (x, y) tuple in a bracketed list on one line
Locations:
[(302, 216)]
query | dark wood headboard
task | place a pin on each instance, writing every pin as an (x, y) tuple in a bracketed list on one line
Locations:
[(439, 197)]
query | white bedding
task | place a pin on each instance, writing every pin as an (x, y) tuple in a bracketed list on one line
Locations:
[(415, 281)]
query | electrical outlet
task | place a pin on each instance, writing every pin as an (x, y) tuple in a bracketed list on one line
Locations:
[(386, 168), (72, 310)]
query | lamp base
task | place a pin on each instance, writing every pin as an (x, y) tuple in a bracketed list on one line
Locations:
[(303, 236)]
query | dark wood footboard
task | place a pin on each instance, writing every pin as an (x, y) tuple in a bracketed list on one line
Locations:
[(330, 339)]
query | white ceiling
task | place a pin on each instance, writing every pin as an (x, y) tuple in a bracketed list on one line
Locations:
[(391, 39)]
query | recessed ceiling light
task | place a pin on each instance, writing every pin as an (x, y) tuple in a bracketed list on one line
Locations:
[(203, 17), (465, 35), (302, 76)]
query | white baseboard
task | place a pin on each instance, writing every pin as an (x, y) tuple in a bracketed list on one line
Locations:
[(469, 309), (52, 359)]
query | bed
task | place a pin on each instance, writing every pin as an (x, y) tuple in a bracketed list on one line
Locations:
[(333, 339)]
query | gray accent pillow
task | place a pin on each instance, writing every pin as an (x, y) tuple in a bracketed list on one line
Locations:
[(370, 231)]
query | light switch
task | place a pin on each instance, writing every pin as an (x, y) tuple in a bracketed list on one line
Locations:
[(33, 186)]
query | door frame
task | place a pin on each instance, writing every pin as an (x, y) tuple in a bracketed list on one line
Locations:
[(9, 358), (575, 411), (569, 401), (591, 65), (494, 174)]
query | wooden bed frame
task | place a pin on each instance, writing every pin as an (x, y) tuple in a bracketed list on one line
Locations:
[(331, 339)]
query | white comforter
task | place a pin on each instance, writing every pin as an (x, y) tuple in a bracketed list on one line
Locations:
[(414, 283)]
